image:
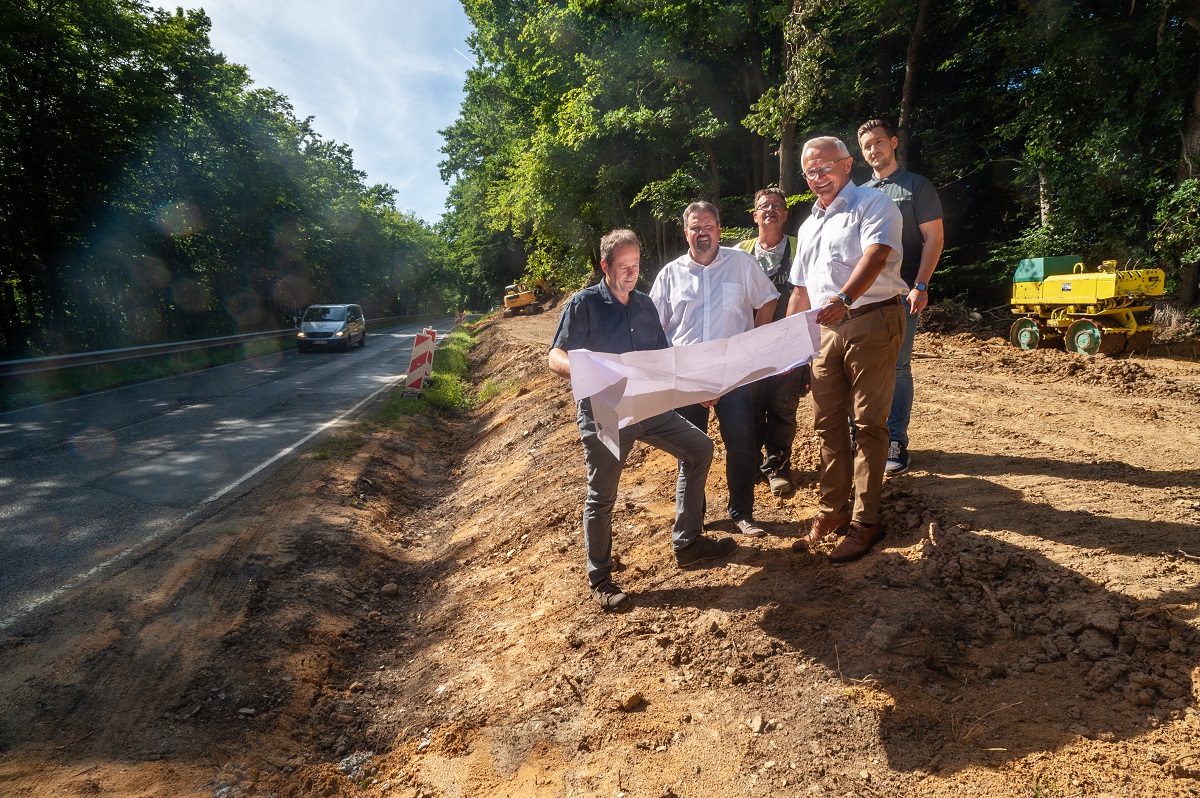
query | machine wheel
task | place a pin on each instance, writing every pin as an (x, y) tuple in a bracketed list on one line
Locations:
[(1025, 334), (1085, 337)]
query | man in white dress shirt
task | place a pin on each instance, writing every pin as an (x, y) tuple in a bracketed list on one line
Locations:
[(847, 264), (714, 292)]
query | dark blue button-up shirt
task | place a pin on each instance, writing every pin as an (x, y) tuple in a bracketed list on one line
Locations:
[(595, 321)]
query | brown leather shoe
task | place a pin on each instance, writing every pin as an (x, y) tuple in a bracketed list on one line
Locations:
[(858, 541), (822, 527)]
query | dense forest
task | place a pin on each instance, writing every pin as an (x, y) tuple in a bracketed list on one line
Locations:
[(148, 194), (1049, 127)]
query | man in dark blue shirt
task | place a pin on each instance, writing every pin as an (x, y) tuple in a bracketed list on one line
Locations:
[(613, 317)]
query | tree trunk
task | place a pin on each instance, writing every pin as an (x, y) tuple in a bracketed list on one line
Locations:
[(1189, 166), (911, 66), (1044, 197), (714, 173), (1190, 152), (1189, 284), (787, 157)]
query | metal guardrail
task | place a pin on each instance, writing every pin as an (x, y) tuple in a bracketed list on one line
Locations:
[(34, 365)]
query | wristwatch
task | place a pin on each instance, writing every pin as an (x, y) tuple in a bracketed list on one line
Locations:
[(921, 286), (846, 300)]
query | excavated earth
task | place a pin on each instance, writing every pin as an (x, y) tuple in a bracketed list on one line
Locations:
[(412, 620)]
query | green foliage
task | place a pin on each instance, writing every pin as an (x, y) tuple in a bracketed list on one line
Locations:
[(396, 407), (1047, 127), (493, 388), (447, 389), (148, 193), (447, 392), (1177, 224)]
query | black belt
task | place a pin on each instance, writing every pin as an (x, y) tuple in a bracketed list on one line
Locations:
[(853, 313)]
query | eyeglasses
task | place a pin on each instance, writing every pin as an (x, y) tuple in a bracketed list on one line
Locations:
[(817, 171), (770, 206)]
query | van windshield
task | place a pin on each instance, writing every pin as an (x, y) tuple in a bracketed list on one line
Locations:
[(325, 313)]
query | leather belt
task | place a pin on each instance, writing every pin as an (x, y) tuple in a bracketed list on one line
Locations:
[(854, 313)]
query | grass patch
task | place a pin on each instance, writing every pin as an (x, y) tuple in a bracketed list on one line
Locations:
[(448, 388), (338, 446), (493, 388)]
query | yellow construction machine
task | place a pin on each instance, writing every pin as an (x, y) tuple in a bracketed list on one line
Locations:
[(1089, 311), (519, 299)]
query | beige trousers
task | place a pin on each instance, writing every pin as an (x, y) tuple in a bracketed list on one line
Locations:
[(853, 377)]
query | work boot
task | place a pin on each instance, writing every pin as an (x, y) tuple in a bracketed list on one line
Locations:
[(780, 485), (750, 528), (610, 597)]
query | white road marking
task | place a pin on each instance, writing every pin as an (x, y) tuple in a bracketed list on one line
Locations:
[(79, 579)]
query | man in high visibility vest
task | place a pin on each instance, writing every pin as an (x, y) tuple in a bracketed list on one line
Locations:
[(776, 398)]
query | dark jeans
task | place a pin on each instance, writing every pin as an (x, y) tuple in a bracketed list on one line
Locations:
[(775, 402), (667, 431), (735, 417), (902, 397)]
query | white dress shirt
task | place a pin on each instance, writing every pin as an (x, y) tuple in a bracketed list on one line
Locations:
[(704, 303), (831, 241)]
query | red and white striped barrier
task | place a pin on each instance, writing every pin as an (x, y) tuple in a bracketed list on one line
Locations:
[(421, 365)]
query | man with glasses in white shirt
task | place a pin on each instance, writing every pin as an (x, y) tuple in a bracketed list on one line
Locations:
[(847, 264), (712, 292), (777, 398)]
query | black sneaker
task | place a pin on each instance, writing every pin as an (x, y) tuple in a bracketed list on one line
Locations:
[(703, 548), (610, 597), (897, 459), (780, 484), (749, 528)]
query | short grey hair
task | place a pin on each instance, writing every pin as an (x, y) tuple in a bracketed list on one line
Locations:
[(821, 142), (700, 206), (615, 240)]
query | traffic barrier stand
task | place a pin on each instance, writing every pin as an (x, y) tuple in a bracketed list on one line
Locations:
[(421, 365)]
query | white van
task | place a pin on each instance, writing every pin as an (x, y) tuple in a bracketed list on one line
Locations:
[(331, 327)]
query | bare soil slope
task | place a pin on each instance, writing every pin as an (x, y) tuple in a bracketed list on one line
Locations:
[(413, 620)]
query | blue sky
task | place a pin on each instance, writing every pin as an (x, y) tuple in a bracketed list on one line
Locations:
[(382, 77)]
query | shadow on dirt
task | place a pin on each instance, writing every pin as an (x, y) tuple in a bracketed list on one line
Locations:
[(977, 499), (930, 649)]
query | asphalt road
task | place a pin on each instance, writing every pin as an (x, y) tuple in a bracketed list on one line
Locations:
[(87, 483)]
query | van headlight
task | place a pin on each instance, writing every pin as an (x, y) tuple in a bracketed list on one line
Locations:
[(300, 334), (339, 334)]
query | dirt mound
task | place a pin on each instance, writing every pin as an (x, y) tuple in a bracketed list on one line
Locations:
[(414, 620), (1124, 375)]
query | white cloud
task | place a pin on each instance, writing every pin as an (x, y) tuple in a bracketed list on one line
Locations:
[(381, 77)]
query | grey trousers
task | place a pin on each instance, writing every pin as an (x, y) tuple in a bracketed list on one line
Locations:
[(666, 431)]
